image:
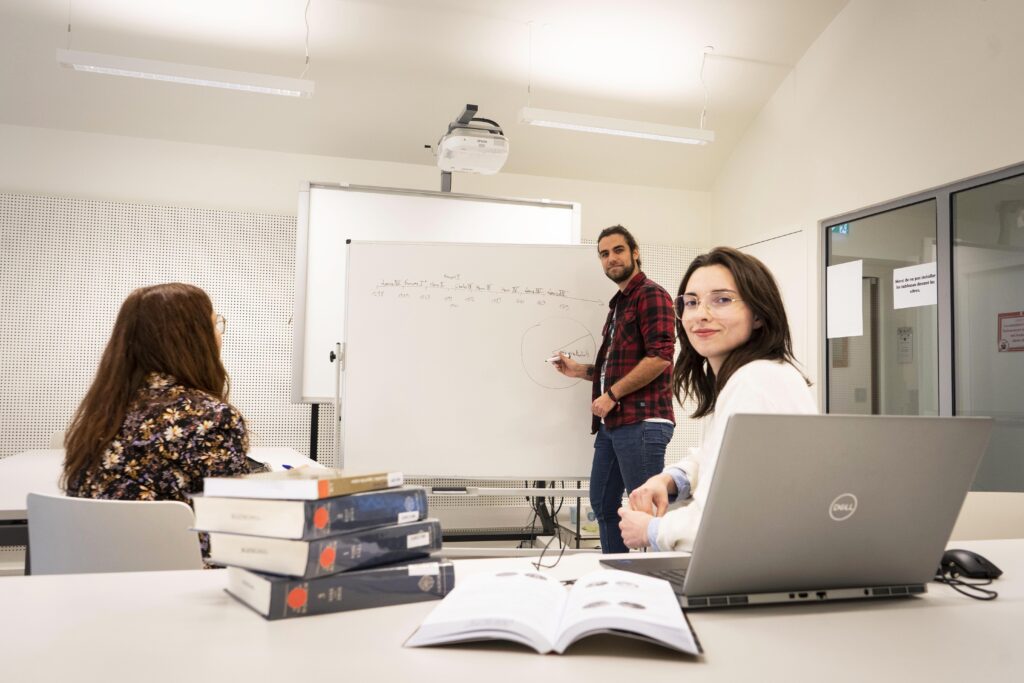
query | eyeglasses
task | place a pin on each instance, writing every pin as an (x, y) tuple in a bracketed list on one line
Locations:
[(221, 323), (715, 301)]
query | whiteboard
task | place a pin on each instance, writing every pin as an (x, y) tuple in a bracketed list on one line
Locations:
[(445, 371), (331, 214)]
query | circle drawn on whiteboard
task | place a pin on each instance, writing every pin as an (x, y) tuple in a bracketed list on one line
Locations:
[(550, 337)]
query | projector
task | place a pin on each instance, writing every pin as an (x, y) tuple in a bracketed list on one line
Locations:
[(471, 145), (472, 149)]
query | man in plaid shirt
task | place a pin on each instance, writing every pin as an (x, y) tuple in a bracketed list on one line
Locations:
[(632, 393)]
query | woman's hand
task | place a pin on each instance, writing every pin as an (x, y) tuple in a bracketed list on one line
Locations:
[(652, 496), (633, 525)]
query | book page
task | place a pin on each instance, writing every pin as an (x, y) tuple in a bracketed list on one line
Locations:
[(522, 606), (611, 600)]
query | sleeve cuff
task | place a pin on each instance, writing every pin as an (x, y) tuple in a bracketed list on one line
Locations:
[(682, 483), (652, 533)]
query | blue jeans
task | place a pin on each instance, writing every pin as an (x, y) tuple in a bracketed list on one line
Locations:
[(624, 458)]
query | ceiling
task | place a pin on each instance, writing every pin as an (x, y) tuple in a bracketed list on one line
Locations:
[(391, 74)]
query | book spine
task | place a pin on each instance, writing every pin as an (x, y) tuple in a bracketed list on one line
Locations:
[(364, 510), (344, 485), (360, 590), (370, 547)]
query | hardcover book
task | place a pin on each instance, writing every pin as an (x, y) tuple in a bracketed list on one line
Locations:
[(308, 519), (299, 484), (535, 610), (328, 555), (278, 597)]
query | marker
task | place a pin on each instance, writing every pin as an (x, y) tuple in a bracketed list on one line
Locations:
[(553, 359), (287, 467)]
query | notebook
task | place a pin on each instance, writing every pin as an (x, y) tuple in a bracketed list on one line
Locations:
[(808, 508)]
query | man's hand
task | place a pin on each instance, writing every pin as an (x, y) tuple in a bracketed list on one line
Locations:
[(602, 405), (570, 368), (653, 495), (633, 525)]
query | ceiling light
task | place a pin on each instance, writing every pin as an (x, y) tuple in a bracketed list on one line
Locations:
[(150, 69), (610, 126)]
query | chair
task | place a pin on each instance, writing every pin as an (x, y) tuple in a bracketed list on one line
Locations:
[(990, 514), (82, 535)]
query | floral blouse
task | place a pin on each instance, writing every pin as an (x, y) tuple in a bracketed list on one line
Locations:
[(171, 437)]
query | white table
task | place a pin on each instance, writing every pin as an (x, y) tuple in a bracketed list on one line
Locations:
[(38, 471), (173, 626), (32, 471)]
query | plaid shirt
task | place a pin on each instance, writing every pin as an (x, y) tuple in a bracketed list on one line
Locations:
[(644, 326)]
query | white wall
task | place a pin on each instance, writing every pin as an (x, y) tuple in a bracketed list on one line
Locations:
[(96, 166), (893, 98)]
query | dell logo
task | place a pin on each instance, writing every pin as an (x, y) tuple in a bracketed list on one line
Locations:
[(842, 507)]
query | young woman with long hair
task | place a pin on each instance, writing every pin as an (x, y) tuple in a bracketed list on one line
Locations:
[(736, 356), (156, 419)]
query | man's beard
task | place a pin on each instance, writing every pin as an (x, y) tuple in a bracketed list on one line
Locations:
[(627, 272)]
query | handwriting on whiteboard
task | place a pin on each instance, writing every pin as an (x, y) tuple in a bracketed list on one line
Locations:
[(450, 289)]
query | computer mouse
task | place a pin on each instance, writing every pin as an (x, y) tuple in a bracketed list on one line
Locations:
[(969, 564)]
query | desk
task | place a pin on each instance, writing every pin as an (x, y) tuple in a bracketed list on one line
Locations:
[(173, 626), (32, 471), (38, 471)]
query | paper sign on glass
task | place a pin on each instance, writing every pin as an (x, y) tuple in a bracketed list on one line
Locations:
[(1011, 331), (914, 286), (845, 317)]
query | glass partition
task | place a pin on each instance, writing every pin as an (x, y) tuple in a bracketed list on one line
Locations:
[(923, 311), (988, 322)]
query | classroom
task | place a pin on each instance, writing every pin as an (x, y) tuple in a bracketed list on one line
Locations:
[(411, 244)]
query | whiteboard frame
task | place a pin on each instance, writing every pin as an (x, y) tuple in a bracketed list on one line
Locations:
[(302, 257)]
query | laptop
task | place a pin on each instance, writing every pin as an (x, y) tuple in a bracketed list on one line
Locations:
[(808, 508)]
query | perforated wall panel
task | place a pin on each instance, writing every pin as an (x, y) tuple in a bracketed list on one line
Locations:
[(67, 264)]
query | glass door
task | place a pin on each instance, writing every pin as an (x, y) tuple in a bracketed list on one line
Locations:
[(888, 363)]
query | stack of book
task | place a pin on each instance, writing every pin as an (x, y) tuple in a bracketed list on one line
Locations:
[(309, 541)]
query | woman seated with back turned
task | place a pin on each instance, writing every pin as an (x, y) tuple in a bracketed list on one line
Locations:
[(155, 420), (735, 357)]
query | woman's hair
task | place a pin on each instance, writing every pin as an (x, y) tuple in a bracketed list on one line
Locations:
[(692, 375), (164, 328)]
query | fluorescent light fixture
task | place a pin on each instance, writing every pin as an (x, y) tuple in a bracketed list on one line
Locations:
[(153, 70), (609, 126)]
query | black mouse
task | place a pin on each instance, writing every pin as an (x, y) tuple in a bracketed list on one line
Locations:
[(968, 564)]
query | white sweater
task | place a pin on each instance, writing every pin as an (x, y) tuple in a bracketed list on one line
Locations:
[(761, 386)]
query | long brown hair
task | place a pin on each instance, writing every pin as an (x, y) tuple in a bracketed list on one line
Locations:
[(164, 328), (692, 375)]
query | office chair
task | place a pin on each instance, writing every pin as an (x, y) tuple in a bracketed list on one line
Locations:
[(82, 535)]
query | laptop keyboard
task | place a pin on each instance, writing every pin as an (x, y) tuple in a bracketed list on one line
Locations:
[(673, 576)]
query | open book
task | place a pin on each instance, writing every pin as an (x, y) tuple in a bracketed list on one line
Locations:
[(537, 611)]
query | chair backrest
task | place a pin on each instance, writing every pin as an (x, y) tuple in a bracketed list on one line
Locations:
[(81, 535), (990, 514)]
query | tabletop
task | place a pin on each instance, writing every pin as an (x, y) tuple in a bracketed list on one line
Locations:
[(166, 626)]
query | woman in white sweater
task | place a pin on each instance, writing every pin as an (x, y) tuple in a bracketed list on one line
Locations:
[(736, 357)]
